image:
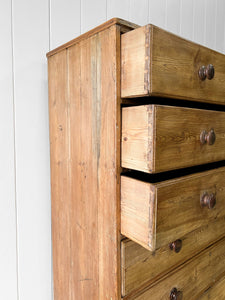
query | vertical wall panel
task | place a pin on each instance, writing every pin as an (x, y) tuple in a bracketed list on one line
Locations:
[(31, 41), (220, 26), (93, 13), (210, 24), (157, 12), (8, 278), (139, 12), (118, 8), (186, 19), (173, 16), (64, 21), (199, 21)]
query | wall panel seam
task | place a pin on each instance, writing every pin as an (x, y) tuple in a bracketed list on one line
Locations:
[(180, 20), (49, 24), (14, 145)]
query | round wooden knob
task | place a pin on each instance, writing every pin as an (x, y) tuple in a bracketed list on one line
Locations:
[(208, 200), (210, 71), (175, 294), (176, 246), (206, 72), (208, 137)]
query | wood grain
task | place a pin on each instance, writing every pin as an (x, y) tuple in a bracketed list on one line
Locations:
[(60, 175), (85, 162), (135, 61), (138, 139), (158, 63), (157, 138), (124, 27), (140, 267), (156, 214), (192, 278), (216, 291)]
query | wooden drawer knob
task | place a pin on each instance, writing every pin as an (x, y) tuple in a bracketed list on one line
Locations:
[(208, 200), (208, 137), (176, 246), (175, 294), (206, 72)]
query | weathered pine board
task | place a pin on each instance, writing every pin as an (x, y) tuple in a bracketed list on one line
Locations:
[(85, 163), (158, 63), (60, 175), (124, 27), (191, 278), (156, 214), (158, 138), (216, 291), (140, 267)]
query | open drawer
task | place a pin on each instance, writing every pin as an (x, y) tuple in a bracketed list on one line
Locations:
[(156, 214), (158, 138), (155, 62)]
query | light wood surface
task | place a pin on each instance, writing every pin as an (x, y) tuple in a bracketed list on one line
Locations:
[(60, 187), (85, 130), (158, 63), (84, 109), (158, 138), (138, 138), (156, 214), (141, 267), (124, 27), (216, 291), (191, 278)]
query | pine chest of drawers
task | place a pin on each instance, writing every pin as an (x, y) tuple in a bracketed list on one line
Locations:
[(137, 133)]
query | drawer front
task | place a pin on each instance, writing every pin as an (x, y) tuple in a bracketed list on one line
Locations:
[(159, 138), (158, 63), (154, 215), (140, 267), (216, 291), (192, 278)]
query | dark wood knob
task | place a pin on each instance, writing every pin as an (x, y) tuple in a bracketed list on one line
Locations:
[(176, 246), (208, 200), (210, 71), (206, 72), (175, 294), (208, 137)]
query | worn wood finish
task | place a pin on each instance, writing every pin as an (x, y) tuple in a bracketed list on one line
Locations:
[(156, 214), (87, 216), (158, 138), (192, 278), (125, 26), (85, 163), (60, 185), (216, 291), (141, 267), (158, 63)]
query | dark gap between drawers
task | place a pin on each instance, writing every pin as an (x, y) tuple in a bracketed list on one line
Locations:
[(158, 177), (171, 102)]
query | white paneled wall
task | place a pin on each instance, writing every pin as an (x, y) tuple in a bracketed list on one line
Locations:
[(29, 29), (30, 43), (8, 241)]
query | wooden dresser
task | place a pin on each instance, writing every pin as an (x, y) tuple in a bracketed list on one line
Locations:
[(137, 132)]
